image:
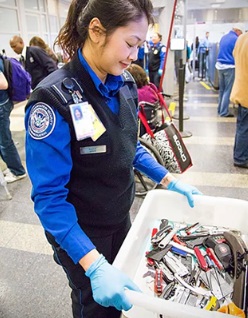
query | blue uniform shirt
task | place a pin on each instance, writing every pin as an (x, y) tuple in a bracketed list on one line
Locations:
[(49, 163)]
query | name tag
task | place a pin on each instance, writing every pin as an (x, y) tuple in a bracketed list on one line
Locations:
[(93, 149)]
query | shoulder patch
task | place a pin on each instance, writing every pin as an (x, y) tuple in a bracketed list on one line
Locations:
[(163, 49), (41, 121)]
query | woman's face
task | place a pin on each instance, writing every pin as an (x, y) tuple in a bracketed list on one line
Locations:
[(155, 38), (77, 114), (115, 53)]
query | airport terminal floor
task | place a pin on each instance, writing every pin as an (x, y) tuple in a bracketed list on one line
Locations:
[(31, 284)]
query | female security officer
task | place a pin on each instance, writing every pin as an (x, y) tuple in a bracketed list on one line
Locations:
[(83, 201), (156, 58)]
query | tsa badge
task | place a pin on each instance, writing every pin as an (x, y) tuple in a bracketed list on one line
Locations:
[(41, 121), (163, 49)]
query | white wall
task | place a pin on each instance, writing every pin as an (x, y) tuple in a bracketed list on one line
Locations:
[(216, 31)]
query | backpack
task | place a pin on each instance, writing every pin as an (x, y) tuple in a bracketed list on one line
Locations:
[(18, 78)]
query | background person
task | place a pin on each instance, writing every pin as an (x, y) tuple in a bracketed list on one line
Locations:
[(195, 52), (226, 70), (203, 56), (146, 91), (239, 96), (83, 203), (141, 56), (34, 59), (8, 152), (37, 41), (156, 58)]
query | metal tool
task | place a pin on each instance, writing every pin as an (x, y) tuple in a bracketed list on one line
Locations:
[(158, 237), (175, 265)]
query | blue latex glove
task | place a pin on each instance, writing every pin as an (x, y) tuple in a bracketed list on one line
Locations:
[(185, 189), (108, 284), (160, 72)]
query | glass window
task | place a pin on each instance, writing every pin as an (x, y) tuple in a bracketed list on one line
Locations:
[(63, 9), (31, 5), (32, 23), (41, 5), (8, 2), (52, 8), (8, 21), (43, 23), (45, 38), (5, 44), (53, 24)]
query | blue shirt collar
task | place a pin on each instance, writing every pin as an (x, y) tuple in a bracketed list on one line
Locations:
[(112, 85)]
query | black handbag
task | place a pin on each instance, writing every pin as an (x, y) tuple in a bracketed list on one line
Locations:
[(168, 141)]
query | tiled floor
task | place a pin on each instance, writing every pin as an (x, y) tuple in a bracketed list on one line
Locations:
[(31, 285)]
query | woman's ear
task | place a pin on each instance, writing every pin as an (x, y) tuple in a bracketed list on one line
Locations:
[(96, 30)]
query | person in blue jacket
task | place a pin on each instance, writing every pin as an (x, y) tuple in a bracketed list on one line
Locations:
[(226, 70), (156, 58), (141, 56), (82, 175)]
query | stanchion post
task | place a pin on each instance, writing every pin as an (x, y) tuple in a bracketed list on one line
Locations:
[(181, 85)]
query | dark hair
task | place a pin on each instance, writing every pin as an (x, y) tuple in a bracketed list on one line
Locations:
[(160, 36), (79, 110), (138, 74), (111, 13)]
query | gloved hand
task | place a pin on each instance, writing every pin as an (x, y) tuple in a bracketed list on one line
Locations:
[(108, 284), (185, 189), (160, 72)]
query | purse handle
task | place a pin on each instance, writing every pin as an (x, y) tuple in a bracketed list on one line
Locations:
[(143, 119), (161, 100), (141, 112)]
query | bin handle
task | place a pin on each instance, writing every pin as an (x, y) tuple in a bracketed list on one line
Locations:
[(162, 306)]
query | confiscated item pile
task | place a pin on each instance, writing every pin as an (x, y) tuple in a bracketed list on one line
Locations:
[(198, 265)]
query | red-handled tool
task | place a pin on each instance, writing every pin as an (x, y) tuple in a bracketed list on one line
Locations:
[(176, 239), (158, 282), (213, 257), (201, 259), (154, 231)]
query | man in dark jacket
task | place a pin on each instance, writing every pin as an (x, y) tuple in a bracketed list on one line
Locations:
[(34, 59)]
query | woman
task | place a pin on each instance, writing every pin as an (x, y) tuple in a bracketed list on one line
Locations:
[(37, 41), (156, 59), (83, 203), (146, 91)]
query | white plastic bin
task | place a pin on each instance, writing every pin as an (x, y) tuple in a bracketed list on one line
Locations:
[(158, 204)]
